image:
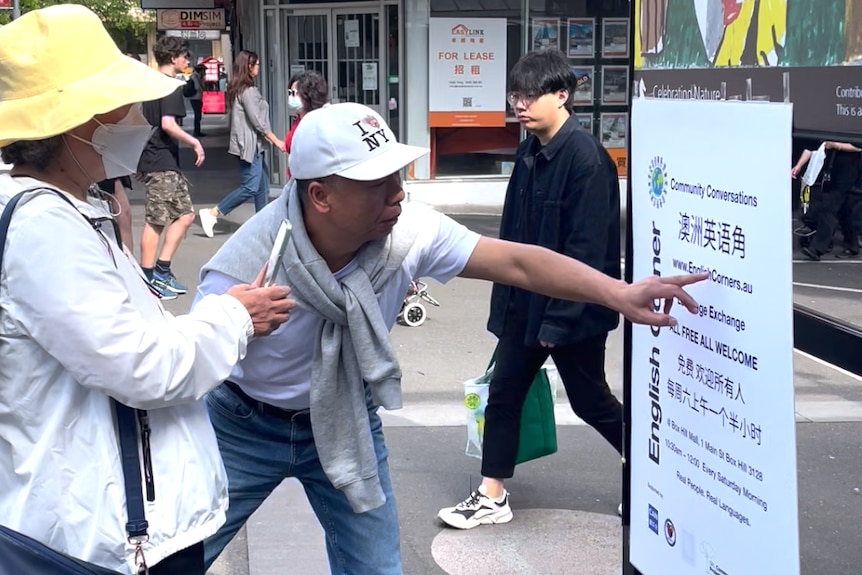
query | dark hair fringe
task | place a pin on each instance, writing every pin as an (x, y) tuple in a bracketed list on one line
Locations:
[(312, 89), (36, 154), (169, 47), (543, 72)]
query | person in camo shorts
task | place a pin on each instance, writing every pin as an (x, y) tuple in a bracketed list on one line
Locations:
[(169, 207)]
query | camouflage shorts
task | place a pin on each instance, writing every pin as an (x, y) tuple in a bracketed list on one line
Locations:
[(167, 197)]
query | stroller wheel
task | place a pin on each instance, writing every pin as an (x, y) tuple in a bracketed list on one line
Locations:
[(414, 314)]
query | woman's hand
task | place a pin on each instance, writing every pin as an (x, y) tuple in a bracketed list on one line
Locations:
[(268, 307)]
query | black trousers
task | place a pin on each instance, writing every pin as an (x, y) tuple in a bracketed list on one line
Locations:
[(581, 367), (197, 108), (838, 206), (189, 561), (851, 218)]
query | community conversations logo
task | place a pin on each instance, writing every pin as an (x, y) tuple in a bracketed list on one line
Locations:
[(657, 181)]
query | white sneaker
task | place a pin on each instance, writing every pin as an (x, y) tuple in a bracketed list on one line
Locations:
[(478, 509), (208, 221)]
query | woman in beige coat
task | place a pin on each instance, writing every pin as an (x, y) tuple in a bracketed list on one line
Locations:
[(249, 133)]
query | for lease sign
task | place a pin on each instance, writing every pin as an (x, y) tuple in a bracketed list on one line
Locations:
[(467, 72)]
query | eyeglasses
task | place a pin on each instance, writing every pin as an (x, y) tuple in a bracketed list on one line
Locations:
[(291, 92), (527, 99)]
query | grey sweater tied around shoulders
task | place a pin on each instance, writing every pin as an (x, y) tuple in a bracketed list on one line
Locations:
[(353, 354)]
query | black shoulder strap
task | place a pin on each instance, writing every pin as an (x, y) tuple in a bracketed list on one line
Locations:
[(136, 527), (5, 219), (10, 207)]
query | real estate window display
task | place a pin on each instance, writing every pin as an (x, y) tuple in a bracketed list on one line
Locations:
[(594, 35)]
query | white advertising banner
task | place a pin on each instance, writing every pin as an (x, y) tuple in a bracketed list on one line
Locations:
[(467, 72), (713, 437)]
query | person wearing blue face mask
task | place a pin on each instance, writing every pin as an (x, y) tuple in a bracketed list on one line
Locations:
[(81, 328)]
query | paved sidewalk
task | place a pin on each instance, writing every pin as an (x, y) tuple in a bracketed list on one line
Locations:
[(565, 505)]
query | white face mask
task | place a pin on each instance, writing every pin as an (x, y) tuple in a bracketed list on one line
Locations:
[(294, 104), (121, 144)]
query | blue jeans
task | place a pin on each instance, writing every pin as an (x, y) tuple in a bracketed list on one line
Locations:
[(253, 183), (260, 450)]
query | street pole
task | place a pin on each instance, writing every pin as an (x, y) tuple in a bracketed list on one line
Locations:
[(16, 9)]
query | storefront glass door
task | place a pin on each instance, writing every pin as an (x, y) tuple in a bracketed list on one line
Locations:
[(307, 41), (356, 49), (349, 46), (272, 78), (358, 67)]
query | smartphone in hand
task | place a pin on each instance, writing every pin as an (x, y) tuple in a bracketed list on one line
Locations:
[(276, 257)]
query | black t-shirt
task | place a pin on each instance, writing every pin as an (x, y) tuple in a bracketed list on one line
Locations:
[(107, 186), (845, 168), (162, 153)]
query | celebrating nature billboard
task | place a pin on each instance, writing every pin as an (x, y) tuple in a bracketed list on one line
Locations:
[(804, 51)]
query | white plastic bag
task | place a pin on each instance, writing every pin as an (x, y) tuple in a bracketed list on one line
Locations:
[(815, 165), (475, 400)]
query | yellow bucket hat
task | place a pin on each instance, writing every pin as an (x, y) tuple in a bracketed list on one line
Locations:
[(59, 68)]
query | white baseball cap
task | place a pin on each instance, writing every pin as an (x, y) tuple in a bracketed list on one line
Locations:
[(348, 140)]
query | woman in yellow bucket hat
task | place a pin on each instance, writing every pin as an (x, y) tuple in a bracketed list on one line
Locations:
[(79, 327)]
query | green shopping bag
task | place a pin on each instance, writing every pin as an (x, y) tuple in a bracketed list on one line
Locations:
[(538, 436)]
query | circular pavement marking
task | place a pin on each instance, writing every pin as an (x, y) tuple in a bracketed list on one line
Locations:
[(535, 542)]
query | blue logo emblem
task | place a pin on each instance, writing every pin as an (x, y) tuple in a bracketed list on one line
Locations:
[(653, 519), (657, 181)]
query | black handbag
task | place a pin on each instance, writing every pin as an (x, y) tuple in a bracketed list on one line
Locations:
[(23, 555)]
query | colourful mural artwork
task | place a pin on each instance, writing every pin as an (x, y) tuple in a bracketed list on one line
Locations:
[(807, 52), (679, 34)]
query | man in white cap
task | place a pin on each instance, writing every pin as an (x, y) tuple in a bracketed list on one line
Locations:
[(303, 403)]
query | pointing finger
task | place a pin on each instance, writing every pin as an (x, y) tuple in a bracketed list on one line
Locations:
[(685, 280), (672, 291), (685, 299)]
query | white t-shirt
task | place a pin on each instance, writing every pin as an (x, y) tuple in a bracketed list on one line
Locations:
[(277, 368)]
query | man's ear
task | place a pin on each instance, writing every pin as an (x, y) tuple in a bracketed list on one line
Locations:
[(319, 196), (562, 97)]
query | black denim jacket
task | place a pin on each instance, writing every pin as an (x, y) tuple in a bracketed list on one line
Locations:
[(565, 197)]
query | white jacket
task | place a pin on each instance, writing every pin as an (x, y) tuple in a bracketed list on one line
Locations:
[(76, 330)]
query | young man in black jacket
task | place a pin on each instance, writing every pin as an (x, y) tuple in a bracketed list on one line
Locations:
[(564, 195)]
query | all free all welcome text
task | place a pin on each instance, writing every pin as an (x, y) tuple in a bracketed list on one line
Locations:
[(746, 359)]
